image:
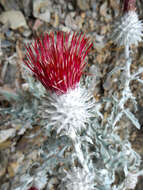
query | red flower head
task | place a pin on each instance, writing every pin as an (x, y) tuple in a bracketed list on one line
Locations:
[(33, 188), (58, 62), (129, 5)]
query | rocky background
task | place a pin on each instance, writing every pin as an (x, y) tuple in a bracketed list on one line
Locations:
[(20, 22)]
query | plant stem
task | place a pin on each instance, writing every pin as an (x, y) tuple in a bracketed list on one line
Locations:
[(126, 91), (127, 68), (77, 146)]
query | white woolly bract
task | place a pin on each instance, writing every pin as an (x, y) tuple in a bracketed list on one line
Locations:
[(79, 179), (131, 180), (128, 30), (38, 180), (70, 111)]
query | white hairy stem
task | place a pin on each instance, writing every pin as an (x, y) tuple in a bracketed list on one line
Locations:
[(70, 114), (126, 91), (127, 67), (78, 149)]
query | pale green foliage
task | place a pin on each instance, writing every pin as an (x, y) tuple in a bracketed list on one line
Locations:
[(83, 149), (101, 154), (24, 105)]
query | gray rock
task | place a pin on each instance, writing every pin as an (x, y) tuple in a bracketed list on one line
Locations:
[(70, 6), (14, 18), (42, 9), (64, 28), (93, 5), (11, 75), (8, 33), (83, 4), (70, 22), (51, 183), (9, 4), (5, 186), (6, 44), (27, 6), (5, 134), (27, 33)]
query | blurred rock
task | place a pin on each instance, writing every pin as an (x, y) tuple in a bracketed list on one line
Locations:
[(5, 144), (13, 168), (26, 143), (64, 28), (15, 164), (83, 4), (42, 9), (8, 33), (92, 24), (140, 114), (56, 20), (103, 9), (5, 134), (14, 18), (3, 162), (27, 7), (70, 22), (5, 186), (24, 5), (11, 75), (9, 4), (51, 183), (70, 6), (100, 44), (6, 44), (93, 5), (26, 33), (115, 6), (2, 170), (105, 12)]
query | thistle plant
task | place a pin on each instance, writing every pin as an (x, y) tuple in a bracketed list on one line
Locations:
[(58, 63), (128, 32), (128, 29), (99, 158)]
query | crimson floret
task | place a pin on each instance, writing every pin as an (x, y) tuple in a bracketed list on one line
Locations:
[(33, 188), (58, 62), (129, 5)]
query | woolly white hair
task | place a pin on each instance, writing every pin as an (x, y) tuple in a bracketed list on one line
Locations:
[(131, 180), (79, 179), (128, 30), (38, 180), (70, 111)]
